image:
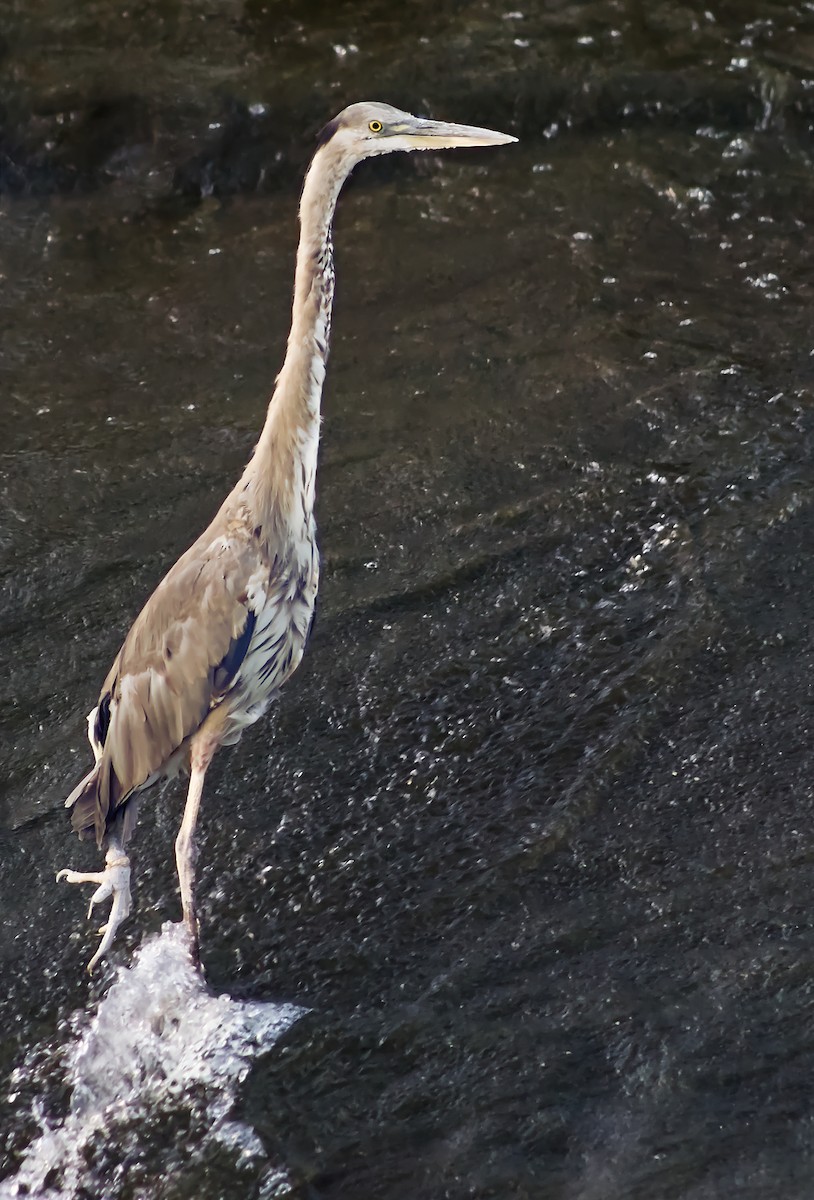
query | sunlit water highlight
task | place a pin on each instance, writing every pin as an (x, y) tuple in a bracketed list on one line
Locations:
[(159, 1045)]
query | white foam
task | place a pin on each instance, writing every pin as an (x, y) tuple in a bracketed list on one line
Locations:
[(159, 1042)]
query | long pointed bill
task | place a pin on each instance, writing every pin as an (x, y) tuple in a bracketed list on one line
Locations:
[(442, 135)]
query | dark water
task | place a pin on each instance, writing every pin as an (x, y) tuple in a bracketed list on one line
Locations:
[(529, 834)]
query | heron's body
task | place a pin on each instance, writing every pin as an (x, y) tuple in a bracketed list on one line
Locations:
[(228, 624), (217, 639)]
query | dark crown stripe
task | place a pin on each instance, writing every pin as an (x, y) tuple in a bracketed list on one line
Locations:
[(326, 133)]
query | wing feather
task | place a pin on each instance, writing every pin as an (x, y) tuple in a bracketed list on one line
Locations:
[(180, 656)]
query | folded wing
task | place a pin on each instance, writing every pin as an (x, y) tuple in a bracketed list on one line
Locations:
[(178, 661)]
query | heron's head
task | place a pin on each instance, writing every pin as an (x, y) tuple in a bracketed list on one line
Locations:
[(366, 129)]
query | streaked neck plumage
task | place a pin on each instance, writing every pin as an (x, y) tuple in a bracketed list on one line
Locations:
[(282, 472)]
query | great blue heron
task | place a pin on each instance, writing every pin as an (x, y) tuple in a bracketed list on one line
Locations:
[(227, 625)]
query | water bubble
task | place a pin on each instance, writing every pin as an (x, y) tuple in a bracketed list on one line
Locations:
[(159, 1042)]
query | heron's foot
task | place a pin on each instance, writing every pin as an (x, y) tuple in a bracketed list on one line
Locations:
[(113, 881)]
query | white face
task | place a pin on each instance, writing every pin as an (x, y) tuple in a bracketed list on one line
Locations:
[(365, 130)]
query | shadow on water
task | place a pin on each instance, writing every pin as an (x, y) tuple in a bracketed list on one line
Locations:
[(528, 833)]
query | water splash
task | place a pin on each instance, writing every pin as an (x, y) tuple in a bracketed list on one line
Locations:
[(161, 1048)]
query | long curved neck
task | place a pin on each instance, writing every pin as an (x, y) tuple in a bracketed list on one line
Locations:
[(283, 468)]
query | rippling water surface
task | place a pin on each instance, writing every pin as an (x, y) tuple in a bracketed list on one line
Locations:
[(529, 834)]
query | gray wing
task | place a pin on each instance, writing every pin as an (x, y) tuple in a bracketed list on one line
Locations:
[(179, 658)]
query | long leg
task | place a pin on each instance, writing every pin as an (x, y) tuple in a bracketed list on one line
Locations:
[(202, 749)]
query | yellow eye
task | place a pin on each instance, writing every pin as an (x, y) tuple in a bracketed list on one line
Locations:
[(375, 126)]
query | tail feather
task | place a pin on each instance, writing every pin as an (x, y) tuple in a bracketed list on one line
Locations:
[(91, 802)]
